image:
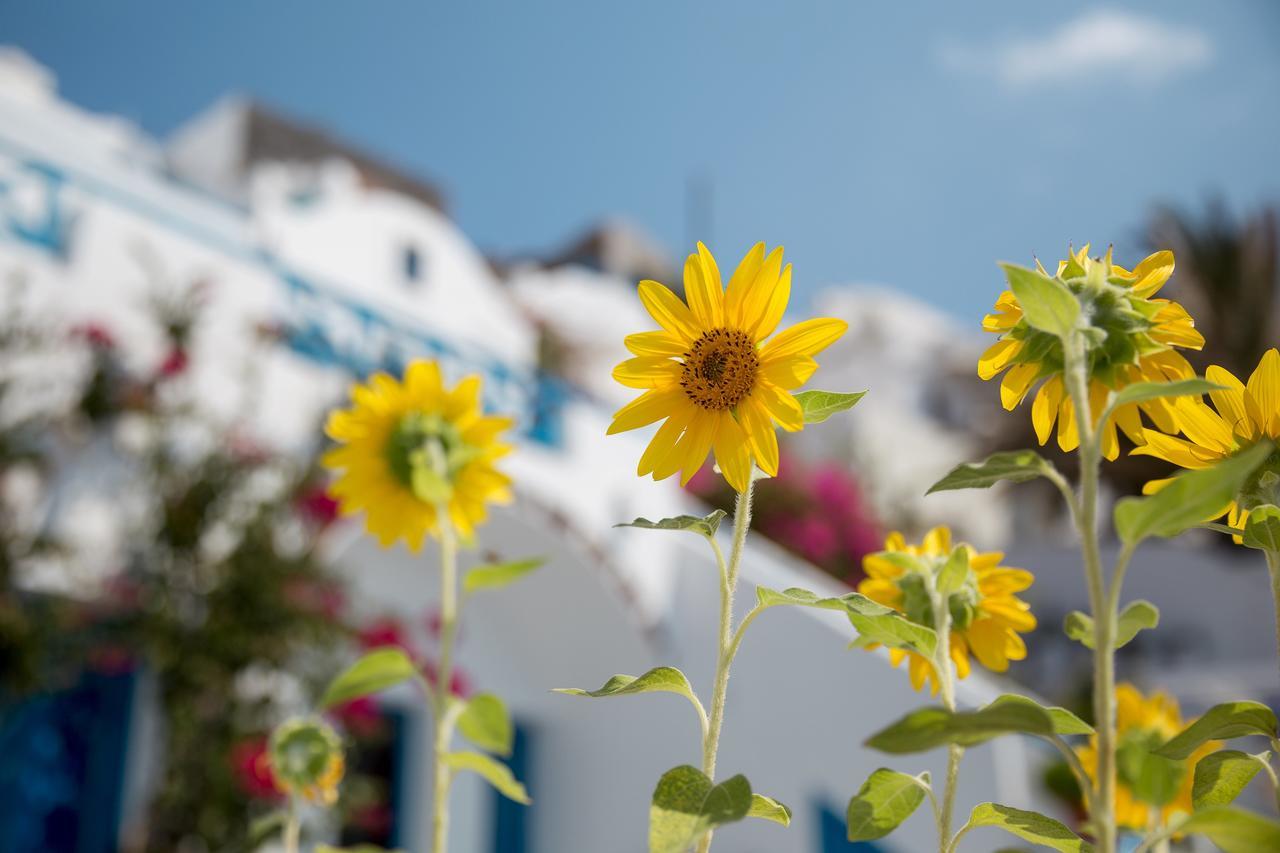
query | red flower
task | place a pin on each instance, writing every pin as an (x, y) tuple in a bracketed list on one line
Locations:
[(459, 683), (252, 767), (95, 335), (359, 716), (175, 363), (317, 506), (384, 632)]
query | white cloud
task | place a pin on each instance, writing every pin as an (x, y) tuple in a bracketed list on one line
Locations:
[(1100, 44)]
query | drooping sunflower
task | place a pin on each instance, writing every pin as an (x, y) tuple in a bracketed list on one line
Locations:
[(1130, 337), (407, 448), (1150, 789), (710, 372), (306, 760), (1242, 414), (987, 616)]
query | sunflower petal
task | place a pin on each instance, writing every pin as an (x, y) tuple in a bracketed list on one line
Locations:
[(807, 338), (668, 311)]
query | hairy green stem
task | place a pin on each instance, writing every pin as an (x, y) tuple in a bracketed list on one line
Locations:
[(1104, 613), (1273, 567), (728, 641), (945, 673), (443, 717), (292, 827)]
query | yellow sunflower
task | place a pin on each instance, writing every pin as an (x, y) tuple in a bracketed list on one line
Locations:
[(986, 614), (1131, 337), (1241, 415), (1150, 789), (306, 760), (712, 375), (407, 448)]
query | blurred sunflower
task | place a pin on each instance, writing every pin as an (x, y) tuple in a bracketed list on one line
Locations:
[(1150, 789), (1130, 337), (709, 372), (1241, 415), (406, 448), (986, 614), (306, 760)]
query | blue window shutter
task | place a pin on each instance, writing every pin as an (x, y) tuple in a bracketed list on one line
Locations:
[(835, 834), (511, 819)]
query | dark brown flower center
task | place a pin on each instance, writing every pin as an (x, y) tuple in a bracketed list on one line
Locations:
[(720, 369)]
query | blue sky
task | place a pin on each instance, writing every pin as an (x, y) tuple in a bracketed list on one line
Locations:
[(905, 144)]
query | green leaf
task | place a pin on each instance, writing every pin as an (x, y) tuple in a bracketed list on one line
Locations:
[(262, 828), (1192, 497), (1029, 826), (1137, 616), (485, 723), (1140, 392), (686, 805), (705, 526), (1016, 466), (498, 575), (1222, 775), (894, 631), (820, 405), (662, 679), (1233, 830), (1222, 722), (852, 602), (767, 808), (1262, 528), (494, 772), (883, 802), (929, 728), (1047, 304), (427, 485), (377, 670)]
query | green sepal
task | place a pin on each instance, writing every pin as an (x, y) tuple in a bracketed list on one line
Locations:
[(1222, 722), (820, 405), (1016, 466), (1047, 304), (1262, 528), (884, 801)]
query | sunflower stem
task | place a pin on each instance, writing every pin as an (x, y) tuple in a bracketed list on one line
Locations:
[(444, 717), (728, 642), (292, 827), (1104, 612), (945, 673), (1273, 567)]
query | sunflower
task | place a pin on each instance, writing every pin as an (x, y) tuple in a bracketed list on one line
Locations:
[(1130, 337), (408, 448), (1150, 789), (710, 373), (1241, 415), (306, 760), (986, 615)]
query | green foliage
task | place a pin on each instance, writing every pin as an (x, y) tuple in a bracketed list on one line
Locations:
[(852, 602), (1140, 392), (1047, 304), (874, 622), (883, 802), (1262, 528), (662, 679), (1221, 776), (498, 575), (1016, 466), (1029, 826), (1222, 722), (929, 728), (265, 826), (1191, 498), (1233, 830), (954, 572), (377, 670), (1136, 616), (495, 773), (820, 405), (485, 723), (686, 805), (767, 808), (704, 526)]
